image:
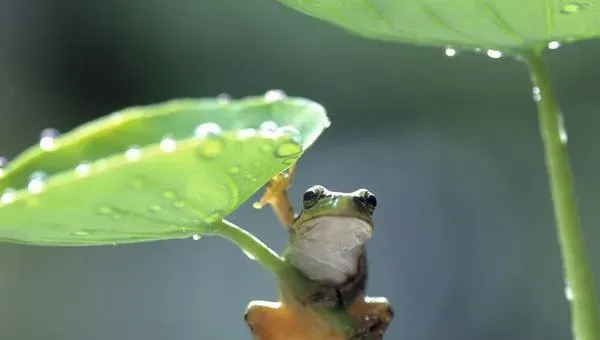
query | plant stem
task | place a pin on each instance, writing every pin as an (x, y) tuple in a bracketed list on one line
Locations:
[(296, 281), (585, 320)]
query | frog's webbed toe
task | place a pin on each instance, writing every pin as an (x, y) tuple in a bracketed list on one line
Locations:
[(373, 317)]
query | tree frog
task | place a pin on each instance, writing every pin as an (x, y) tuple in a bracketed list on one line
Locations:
[(327, 244)]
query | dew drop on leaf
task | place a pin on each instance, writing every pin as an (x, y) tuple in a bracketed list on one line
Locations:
[(223, 98), (196, 237), (207, 129), (82, 170), (450, 52), (536, 93), (47, 138), (8, 196), (155, 208), (234, 170), (568, 293), (80, 233), (133, 153), (274, 95), (572, 7), (169, 194), (36, 182), (168, 144), (553, 45), (105, 210), (494, 54), (287, 149), (3, 163), (211, 148), (268, 126)]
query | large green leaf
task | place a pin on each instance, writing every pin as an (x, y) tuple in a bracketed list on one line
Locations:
[(493, 24), (153, 172)]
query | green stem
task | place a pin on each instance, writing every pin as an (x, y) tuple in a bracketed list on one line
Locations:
[(585, 319), (296, 281)]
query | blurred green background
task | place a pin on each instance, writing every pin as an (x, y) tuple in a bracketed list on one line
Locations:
[(464, 247)]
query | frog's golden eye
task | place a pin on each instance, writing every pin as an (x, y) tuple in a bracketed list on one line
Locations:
[(312, 196)]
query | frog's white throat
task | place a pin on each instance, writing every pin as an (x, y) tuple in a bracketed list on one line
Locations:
[(330, 249)]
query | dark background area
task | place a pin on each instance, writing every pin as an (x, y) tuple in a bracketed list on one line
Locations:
[(465, 245)]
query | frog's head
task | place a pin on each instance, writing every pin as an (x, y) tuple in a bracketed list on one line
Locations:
[(336, 216)]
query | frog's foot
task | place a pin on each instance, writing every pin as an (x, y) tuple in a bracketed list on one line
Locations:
[(373, 315), (273, 321), (275, 195)]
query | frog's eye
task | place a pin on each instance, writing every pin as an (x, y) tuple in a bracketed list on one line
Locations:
[(368, 199), (312, 195)]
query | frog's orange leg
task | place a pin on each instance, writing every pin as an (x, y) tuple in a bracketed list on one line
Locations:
[(276, 196), (373, 315), (274, 321)]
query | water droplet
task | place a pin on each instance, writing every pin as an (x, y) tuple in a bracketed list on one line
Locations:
[(553, 45), (137, 183), (155, 208), (8, 196), (250, 256), (178, 205), (450, 52), (537, 95), (168, 144), (36, 182), (206, 129), (287, 149), (274, 95), (82, 170), (105, 210), (47, 138), (117, 217), (211, 148), (3, 163), (573, 7), (494, 54), (196, 237), (223, 98), (266, 147), (269, 126), (568, 293), (234, 170), (290, 131), (562, 131), (169, 194), (246, 133), (81, 233), (133, 153)]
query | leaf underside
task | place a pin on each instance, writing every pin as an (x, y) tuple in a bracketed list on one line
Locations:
[(494, 24), (113, 181)]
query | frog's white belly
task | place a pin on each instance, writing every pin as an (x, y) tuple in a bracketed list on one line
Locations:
[(329, 251)]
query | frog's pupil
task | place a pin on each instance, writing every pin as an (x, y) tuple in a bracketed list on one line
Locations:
[(309, 195), (371, 200)]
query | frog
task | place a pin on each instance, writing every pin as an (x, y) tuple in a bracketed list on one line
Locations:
[(326, 243)]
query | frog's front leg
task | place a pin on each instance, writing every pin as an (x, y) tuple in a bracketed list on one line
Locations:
[(372, 315), (276, 196), (273, 321)]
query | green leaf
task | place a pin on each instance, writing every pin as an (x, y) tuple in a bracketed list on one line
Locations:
[(494, 24), (154, 172)]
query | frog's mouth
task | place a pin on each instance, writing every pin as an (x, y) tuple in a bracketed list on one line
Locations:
[(342, 231)]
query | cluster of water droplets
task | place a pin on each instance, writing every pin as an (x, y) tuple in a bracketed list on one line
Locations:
[(452, 52), (210, 133)]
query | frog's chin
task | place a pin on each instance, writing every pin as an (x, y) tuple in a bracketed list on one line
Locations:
[(330, 247)]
